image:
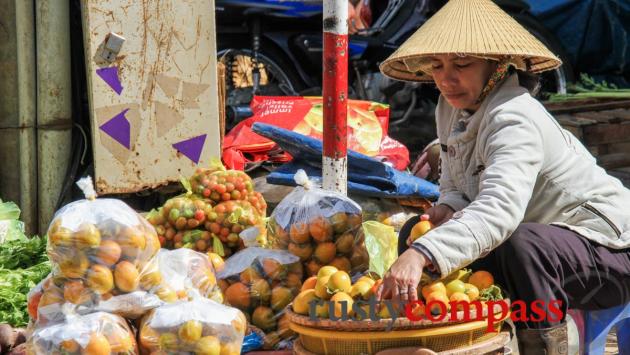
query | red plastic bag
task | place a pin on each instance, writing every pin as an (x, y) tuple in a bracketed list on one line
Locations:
[(367, 130)]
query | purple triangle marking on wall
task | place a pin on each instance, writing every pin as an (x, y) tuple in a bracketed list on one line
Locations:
[(119, 128), (110, 76), (191, 147)]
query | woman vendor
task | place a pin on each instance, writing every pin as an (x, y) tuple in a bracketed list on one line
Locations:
[(520, 196)]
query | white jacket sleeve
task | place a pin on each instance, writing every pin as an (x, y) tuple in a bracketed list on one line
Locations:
[(512, 150), (449, 194)]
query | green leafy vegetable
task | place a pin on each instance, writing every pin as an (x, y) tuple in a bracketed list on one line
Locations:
[(23, 252), (14, 286), (587, 87)]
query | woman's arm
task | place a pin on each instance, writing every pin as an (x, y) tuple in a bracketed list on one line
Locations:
[(513, 151)]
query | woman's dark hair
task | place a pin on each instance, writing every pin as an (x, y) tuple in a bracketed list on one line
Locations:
[(528, 80)]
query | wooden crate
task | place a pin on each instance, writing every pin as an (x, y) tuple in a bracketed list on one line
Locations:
[(604, 128)]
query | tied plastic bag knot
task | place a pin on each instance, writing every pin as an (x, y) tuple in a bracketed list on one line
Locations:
[(301, 179), (87, 186)]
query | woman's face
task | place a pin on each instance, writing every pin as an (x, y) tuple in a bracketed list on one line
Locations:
[(461, 79)]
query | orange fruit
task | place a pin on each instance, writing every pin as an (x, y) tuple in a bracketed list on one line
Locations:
[(237, 295), (341, 263), (249, 275), (303, 251), (320, 229), (326, 271), (301, 304), (280, 298), (309, 283), (261, 292), (375, 287), (481, 279), (100, 279), (132, 242), (471, 291), (437, 297), (190, 331), (339, 222), (360, 290), (460, 297), (325, 252), (61, 237), (367, 279), (126, 276), (345, 243), (108, 253), (208, 345), (299, 233), (421, 228), (273, 269), (87, 236), (455, 286), (166, 294), (150, 279), (223, 285), (293, 282), (70, 345), (296, 268), (321, 287), (74, 266), (339, 299), (355, 220), (339, 282), (74, 292), (264, 319), (98, 345), (51, 296), (120, 341), (230, 349), (433, 287)]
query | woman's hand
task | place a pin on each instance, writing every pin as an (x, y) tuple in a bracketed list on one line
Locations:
[(440, 214), (401, 281)]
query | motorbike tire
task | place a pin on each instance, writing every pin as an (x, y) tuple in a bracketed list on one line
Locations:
[(553, 81), (274, 62)]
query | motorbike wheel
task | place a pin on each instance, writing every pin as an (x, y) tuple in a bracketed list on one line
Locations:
[(552, 81), (276, 79)]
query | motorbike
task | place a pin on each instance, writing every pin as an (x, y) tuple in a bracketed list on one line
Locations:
[(274, 48)]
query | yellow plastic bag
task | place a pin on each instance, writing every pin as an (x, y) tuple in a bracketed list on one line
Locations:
[(381, 242)]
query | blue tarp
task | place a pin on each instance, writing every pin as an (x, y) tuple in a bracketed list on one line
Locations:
[(595, 34), (366, 176)]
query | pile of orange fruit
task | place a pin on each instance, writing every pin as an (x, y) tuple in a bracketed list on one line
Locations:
[(219, 205), (335, 287), (95, 333)]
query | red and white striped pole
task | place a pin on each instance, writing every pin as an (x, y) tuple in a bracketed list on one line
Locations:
[(335, 95)]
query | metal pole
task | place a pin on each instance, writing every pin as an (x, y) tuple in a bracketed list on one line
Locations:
[(335, 95)]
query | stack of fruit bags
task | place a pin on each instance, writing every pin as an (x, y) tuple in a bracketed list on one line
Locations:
[(103, 258), (261, 283), (108, 269), (320, 227), (218, 206)]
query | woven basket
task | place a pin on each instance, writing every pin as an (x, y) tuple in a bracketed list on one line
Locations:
[(368, 337), (401, 323)]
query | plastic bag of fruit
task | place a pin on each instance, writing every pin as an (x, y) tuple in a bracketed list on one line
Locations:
[(94, 333), (199, 326), (183, 270), (320, 227), (102, 254), (261, 283)]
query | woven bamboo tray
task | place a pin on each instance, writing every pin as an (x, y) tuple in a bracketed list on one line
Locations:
[(401, 323)]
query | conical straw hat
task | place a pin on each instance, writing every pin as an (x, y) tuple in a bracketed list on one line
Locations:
[(468, 27)]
